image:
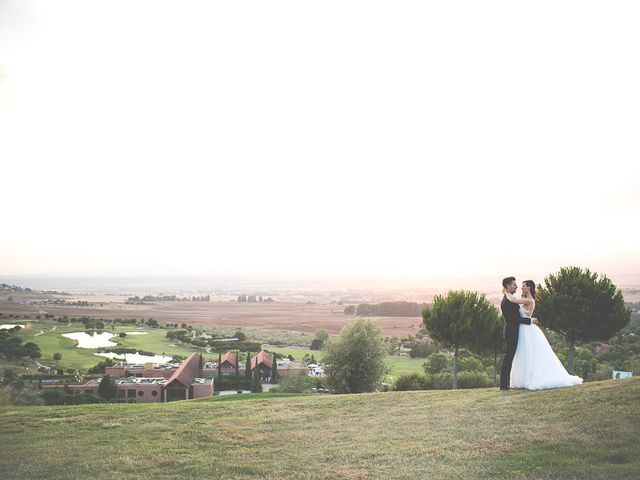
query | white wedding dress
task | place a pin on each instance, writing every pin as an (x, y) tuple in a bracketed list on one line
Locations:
[(535, 365)]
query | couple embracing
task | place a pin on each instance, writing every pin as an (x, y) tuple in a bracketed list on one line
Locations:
[(529, 362)]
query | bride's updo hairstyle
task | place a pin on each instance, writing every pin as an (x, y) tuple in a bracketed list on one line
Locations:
[(532, 287)]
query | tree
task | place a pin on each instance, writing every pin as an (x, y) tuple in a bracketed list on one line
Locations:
[(350, 310), (122, 334), (32, 350), (581, 306), (57, 357), (274, 370), (219, 366), (355, 360), (257, 381), (100, 366), (247, 368), (321, 336), (436, 363), (460, 319), (107, 388), (240, 336)]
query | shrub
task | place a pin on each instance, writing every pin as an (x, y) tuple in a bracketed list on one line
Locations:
[(473, 379), (296, 383), (411, 381), (53, 396), (441, 381), (91, 398), (436, 363)]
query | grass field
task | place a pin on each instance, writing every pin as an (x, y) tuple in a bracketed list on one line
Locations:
[(398, 365), (51, 341), (586, 432)]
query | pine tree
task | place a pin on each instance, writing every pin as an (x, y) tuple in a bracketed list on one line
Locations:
[(461, 320), (582, 307), (220, 365)]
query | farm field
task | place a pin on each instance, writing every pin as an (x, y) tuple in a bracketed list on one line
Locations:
[(587, 432), (283, 316)]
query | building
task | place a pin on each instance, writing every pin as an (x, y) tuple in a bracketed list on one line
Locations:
[(164, 370), (163, 385), (264, 363)]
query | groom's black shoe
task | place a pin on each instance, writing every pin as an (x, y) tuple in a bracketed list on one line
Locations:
[(505, 388)]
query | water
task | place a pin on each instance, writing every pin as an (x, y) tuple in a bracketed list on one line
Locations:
[(136, 358), (96, 340)]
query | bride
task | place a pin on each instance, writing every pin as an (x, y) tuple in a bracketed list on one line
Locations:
[(535, 365)]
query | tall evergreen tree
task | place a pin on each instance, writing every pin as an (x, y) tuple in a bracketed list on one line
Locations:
[(107, 388), (219, 365), (274, 370), (247, 371), (257, 380)]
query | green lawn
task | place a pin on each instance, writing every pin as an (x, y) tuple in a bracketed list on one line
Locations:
[(586, 432), (398, 365), (51, 341)]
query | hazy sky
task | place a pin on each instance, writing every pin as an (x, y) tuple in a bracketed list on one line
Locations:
[(354, 139)]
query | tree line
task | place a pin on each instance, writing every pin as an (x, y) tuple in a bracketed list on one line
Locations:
[(386, 309)]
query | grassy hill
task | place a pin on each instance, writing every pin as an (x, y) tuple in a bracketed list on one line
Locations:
[(586, 432)]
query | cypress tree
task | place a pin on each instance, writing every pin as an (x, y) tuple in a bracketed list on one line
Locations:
[(247, 372), (257, 384), (219, 365), (274, 370)]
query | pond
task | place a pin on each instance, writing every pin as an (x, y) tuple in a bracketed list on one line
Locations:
[(137, 333), (135, 358), (7, 326), (95, 340)]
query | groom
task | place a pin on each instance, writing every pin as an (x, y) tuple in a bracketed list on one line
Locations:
[(512, 321)]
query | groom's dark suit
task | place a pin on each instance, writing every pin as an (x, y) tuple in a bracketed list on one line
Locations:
[(512, 320)]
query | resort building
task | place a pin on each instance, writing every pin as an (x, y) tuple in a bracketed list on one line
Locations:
[(185, 382), (164, 370)]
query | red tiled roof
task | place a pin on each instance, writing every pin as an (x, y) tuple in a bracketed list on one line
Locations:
[(187, 371), (229, 357), (263, 359)]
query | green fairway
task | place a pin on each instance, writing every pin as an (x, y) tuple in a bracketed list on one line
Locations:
[(585, 432), (51, 341)]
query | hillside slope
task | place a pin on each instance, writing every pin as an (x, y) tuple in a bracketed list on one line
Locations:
[(586, 432)]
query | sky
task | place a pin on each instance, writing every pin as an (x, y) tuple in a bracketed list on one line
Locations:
[(333, 139)]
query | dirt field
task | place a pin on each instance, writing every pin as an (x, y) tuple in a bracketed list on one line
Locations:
[(292, 316)]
